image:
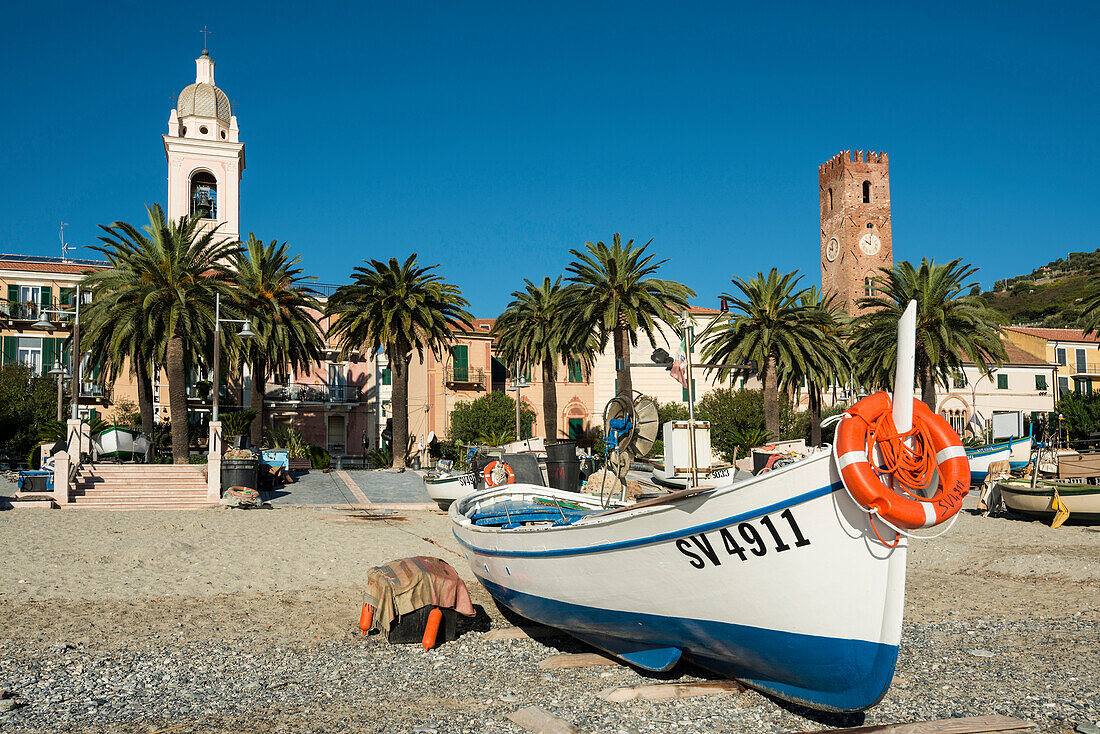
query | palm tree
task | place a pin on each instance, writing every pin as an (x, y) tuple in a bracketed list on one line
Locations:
[(951, 326), (773, 325), (828, 362), (397, 307), (615, 294), (1091, 317), (273, 293), (165, 279), (535, 330), (114, 343)]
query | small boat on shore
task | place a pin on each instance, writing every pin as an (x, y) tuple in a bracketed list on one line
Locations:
[(1082, 500), (120, 444), (445, 488), (982, 456), (1019, 451), (787, 581)]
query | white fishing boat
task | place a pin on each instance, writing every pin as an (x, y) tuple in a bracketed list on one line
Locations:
[(445, 488), (1019, 451), (784, 580), (120, 444), (982, 456)]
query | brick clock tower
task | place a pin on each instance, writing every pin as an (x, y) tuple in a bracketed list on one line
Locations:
[(855, 225)]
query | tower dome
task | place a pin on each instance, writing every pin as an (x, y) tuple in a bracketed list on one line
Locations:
[(203, 98)]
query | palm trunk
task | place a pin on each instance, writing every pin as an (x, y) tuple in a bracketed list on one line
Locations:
[(815, 415), (927, 385), (550, 399), (177, 401), (771, 396), (145, 395), (622, 358), (256, 393), (399, 356)]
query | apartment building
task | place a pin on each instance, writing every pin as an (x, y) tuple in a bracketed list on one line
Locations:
[(1076, 354)]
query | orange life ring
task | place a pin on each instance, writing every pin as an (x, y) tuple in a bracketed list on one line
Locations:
[(487, 474), (935, 446)]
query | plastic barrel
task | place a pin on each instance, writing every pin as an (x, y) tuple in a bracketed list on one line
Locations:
[(561, 451), (564, 475), (240, 473)]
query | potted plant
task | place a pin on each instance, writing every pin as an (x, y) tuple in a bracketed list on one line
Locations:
[(235, 427)]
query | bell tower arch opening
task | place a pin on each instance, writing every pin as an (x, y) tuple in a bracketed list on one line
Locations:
[(204, 194)]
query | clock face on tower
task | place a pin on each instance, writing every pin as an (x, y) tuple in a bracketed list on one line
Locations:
[(870, 243), (832, 249)]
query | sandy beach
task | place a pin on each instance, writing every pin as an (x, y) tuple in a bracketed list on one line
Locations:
[(229, 620)]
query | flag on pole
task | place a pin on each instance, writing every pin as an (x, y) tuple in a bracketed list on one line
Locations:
[(678, 365)]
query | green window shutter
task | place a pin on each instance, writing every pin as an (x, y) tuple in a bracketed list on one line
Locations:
[(1040, 382), (1002, 382), (687, 396), (13, 296), (576, 428), (576, 374), (67, 296), (48, 354), (47, 296), (10, 349), (387, 376), (461, 362)]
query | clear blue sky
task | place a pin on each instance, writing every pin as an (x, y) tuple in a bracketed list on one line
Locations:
[(492, 138)]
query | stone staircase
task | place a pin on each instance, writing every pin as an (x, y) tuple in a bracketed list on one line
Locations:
[(139, 487)]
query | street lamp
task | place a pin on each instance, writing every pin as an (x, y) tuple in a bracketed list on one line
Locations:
[(245, 333), (44, 324), (517, 384), (61, 374)]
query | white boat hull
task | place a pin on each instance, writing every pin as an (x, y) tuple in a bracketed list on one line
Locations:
[(445, 490), (980, 461), (811, 613), (121, 444)]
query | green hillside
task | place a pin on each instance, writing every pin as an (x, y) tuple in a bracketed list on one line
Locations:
[(1050, 295)]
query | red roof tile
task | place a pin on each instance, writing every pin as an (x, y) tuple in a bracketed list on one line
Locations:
[(1018, 356), (48, 267), (1057, 335)]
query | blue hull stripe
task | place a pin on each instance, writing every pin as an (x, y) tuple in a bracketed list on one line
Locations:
[(820, 672), (651, 539)]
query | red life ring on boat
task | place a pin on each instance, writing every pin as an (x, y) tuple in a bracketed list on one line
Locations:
[(491, 468), (936, 446)]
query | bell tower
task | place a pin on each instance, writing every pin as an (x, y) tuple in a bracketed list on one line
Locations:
[(855, 225), (205, 155)]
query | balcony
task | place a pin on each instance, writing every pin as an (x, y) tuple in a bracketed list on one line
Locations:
[(30, 311), (1086, 370), (315, 393), (465, 378)]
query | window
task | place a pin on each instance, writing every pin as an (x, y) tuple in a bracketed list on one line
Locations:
[(869, 287), (1063, 386), (204, 194), (1082, 386), (1081, 360), (461, 364), (29, 352), (576, 428), (830, 199), (1060, 355), (687, 395), (576, 372), (957, 419), (960, 379), (1041, 382), (387, 376), (1002, 382), (866, 192), (870, 226)]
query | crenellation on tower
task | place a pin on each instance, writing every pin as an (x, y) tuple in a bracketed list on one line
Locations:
[(856, 237)]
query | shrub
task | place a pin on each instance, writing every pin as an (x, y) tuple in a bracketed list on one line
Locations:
[(237, 423), (734, 415), (492, 415), (319, 458)]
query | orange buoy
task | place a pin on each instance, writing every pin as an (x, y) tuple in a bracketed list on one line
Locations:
[(431, 629), (366, 618)]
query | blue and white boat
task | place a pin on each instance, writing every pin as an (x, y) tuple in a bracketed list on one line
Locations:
[(777, 581), (982, 456), (1019, 451), (781, 580)]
